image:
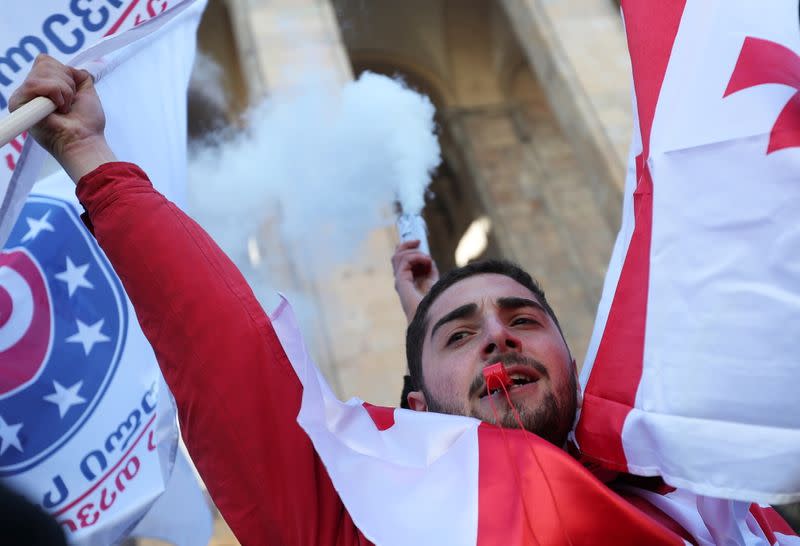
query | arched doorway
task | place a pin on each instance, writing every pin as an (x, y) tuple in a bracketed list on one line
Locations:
[(217, 91)]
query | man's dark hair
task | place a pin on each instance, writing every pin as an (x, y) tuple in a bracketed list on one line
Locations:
[(415, 334)]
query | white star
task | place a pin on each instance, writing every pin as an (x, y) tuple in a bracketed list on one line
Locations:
[(65, 398), (8, 436), (88, 335), (35, 227), (74, 276)]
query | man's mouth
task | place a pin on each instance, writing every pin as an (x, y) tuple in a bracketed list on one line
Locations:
[(519, 375)]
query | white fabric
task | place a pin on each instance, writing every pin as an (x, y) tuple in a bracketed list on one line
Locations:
[(126, 131), (717, 409), (713, 521), (391, 481), (180, 516), (144, 75)]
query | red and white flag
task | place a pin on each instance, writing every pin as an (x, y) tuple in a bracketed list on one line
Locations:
[(426, 478), (692, 371)]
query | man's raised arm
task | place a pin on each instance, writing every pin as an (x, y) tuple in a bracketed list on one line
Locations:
[(414, 274), (237, 394)]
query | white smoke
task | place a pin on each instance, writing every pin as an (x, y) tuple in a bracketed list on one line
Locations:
[(324, 166), (207, 80)]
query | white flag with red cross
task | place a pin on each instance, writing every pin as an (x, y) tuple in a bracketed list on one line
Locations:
[(692, 372)]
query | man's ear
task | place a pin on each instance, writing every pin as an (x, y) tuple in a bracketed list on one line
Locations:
[(416, 401)]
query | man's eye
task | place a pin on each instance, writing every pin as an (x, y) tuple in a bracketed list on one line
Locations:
[(458, 336), (523, 320)]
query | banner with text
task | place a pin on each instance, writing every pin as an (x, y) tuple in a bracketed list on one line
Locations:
[(87, 425)]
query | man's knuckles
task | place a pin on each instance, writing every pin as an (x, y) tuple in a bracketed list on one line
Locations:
[(42, 58), (44, 62)]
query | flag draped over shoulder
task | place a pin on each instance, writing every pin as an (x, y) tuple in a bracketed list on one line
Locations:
[(692, 372), (428, 478), (87, 424)]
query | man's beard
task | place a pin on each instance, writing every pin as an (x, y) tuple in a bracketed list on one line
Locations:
[(551, 420)]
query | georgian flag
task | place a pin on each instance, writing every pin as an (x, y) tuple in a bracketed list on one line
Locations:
[(408, 477), (693, 369), (87, 425)]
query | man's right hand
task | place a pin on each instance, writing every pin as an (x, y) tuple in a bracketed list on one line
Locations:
[(414, 274), (73, 134)]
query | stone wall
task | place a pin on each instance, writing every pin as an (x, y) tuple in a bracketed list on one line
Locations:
[(514, 141)]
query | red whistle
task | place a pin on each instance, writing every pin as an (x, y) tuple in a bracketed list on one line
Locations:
[(496, 375)]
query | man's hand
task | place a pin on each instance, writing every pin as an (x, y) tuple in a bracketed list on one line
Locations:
[(414, 274), (73, 134)]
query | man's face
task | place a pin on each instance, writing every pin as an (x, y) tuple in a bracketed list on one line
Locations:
[(489, 318)]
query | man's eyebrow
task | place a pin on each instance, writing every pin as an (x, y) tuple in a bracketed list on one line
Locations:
[(519, 303), (455, 314)]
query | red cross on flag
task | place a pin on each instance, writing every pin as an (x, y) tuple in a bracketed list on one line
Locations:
[(692, 372), (763, 62)]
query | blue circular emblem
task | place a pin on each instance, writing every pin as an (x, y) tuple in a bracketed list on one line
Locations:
[(63, 325)]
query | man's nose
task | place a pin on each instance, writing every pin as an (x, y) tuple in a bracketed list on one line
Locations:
[(500, 339)]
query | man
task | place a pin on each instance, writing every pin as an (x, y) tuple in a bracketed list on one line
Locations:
[(415, 273), (473, 317), (238, 396)]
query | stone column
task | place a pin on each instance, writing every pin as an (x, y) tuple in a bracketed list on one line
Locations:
[(275, 36), (544, 215), (358, 327), (577, 50)]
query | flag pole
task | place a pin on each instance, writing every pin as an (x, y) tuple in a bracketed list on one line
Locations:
[(22, 119)]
